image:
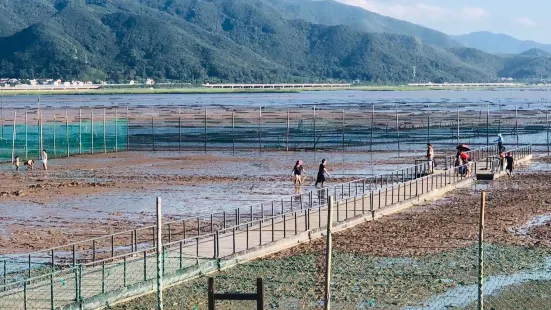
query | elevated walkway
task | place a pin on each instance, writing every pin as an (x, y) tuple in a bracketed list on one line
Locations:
[(108, 280)]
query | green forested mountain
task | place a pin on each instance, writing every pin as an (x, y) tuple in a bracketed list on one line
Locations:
[(534, 63), (215, 40), (479, 59), (329, 12)]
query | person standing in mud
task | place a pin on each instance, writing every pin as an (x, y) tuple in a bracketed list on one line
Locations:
[(321, 173), (16, 163), (500, 141), (44, 159), (430, 157), (510, 163), (298, 169)]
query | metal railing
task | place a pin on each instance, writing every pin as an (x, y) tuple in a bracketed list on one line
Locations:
[(88, 282), (18, 266)]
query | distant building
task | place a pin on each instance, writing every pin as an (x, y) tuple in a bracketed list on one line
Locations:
[(131, 82), (149, 82)]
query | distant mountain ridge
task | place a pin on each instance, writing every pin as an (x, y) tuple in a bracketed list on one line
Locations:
[(234, 41), (329, 12), (498, 43)]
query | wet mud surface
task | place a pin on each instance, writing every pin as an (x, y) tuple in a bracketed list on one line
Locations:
[(452, 222), (91, 195)]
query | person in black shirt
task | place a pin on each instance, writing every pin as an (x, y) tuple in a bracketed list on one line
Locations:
[(321, 174), (297, 173), (510, 162)]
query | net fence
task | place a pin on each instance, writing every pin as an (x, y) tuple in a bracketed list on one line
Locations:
[(352, 127)]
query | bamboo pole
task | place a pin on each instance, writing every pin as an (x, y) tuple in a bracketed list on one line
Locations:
[(55, 123), (127, 130), (159, 252), (457, 126), (26, 136), (488, 124), (343, 130), (116, 130), (104, 134), (14, 134), (328, 254), (206, 117), (80, 130), (233, 130), (314, 128), (372, 126), (92, 130), (67, 133), (398, 129), (516, 122), (547, 123), (287, 135), (260, 129), (481, 251), (40, 129)]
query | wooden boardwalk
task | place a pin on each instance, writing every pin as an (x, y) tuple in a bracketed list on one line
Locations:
[(92, 285), (123, 273)]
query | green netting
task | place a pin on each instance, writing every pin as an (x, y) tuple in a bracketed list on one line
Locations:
[(60, 138)]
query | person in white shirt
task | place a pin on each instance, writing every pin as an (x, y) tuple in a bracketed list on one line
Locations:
[(44, 159), (430, 157)]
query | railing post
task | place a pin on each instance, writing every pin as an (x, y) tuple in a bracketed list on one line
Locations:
[(216, 240), (145, 265), (247, 241), (233, 240), (52, 298), (103, 277), (260, 232), (124, 272), (284, 225)]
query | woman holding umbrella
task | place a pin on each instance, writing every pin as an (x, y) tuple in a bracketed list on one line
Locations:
[(461, 158)]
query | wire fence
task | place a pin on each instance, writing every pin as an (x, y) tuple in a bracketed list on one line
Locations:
[(133, 241), (292, 281), (382, 127)]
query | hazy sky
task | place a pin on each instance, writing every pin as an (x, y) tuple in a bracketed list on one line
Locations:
[(526, 20)]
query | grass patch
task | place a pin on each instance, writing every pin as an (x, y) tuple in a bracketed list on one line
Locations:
[(296, 282)]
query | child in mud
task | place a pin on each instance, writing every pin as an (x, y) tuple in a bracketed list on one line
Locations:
[(321, 173), (510, 162), (30, 164), (16, 163), (467, 168), (298, 169)]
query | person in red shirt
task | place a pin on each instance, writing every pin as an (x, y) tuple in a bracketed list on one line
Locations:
[(464, 170)]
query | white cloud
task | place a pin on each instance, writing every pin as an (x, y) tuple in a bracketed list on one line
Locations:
[(525, 21), (473, 13), (419, 12)]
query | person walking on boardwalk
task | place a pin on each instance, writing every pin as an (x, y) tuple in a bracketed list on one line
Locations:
[(298, 169), (44, 159), (430, 157), (510, 163), (321, 173), (500, 141)]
